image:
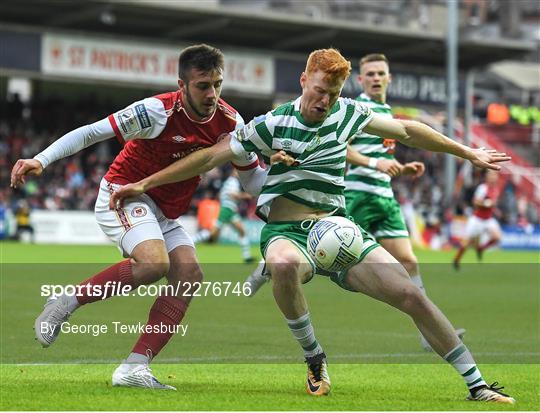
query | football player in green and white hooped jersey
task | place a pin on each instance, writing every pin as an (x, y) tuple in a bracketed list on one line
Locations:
[(315, 129), (372, 165), (230, 195)]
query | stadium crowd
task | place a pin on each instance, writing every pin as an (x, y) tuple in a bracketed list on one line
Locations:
[(70, 184)]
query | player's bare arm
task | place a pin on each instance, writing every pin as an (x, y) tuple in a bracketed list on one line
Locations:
[(419, 135), (391, 167), (188, 167)]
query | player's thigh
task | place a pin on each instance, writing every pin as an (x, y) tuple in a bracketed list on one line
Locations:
[(135, 223), (474, 228), (400, 249), (380, 276), (493, 228), (285, 257)]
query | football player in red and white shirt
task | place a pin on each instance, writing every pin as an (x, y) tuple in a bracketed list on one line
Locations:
[(482, 223), (155, 132)]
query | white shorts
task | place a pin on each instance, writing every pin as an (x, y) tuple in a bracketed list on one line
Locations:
[(476, 227), (139, 220)]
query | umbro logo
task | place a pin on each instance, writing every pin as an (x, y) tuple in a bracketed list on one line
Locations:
[(179, 138)]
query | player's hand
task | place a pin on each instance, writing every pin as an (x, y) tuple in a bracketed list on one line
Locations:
[(282, 157), (415, 169), (391, 167), (488, 158), (127, 191), (23, 168)]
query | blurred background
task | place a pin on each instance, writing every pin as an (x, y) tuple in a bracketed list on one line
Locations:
[(64, 64)]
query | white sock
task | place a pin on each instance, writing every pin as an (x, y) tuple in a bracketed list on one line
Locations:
[(305, 335), (202, 236), (462, 360), (246, 247), (72, 303), (136, 358)]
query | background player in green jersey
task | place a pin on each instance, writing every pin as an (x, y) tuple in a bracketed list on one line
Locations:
[(315, 129), (372, 165), (230, 195)]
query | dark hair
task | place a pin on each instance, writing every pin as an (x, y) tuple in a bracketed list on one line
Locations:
[(201, 57), (373, 57)]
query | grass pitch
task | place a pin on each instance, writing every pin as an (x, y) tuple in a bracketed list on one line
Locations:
[(237, 353)]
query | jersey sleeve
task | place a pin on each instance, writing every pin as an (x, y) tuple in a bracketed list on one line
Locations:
[(480, 193), (362, 116), (144, 119), (255, 136), (243, 160)]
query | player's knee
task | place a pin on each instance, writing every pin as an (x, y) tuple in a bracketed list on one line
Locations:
[(413, 301), (410, 262), (151, 268), (283, 266)]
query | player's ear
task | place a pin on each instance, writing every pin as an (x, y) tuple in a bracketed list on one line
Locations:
[(303, 78), (181, 84), (359, 78), (389, 77)]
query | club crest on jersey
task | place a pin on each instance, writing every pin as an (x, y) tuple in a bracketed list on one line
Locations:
[(138, 212)]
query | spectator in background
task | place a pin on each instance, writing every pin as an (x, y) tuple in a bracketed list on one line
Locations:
[(25, 230)]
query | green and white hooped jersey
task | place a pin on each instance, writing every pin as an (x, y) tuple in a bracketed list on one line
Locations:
[(365, 179), (230, 186), (320, 149)]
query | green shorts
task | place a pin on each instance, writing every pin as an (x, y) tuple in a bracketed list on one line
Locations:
[(379, 215), (297, 233), (227, 215)]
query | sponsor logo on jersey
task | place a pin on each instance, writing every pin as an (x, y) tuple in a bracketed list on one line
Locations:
[(138, 212), (178, 138), (128, 122), (179, 155), (142, 115), (241, 135)]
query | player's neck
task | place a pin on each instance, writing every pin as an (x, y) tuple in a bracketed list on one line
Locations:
[(377, 98)]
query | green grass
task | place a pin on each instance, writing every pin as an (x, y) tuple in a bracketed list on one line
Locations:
[(375, 359)]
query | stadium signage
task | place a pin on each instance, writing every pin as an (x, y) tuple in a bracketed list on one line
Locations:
[(124, 61), (406, 86)]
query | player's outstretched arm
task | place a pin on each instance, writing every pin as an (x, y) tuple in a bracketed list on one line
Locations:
[(419, 135), (23, 168), (391, 167), (69, 144)]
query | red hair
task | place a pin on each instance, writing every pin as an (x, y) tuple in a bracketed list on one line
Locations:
[(329, 61)]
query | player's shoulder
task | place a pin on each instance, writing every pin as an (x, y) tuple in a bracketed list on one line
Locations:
[(227, 110), (284, 109), (360, 107), (168, 100)]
